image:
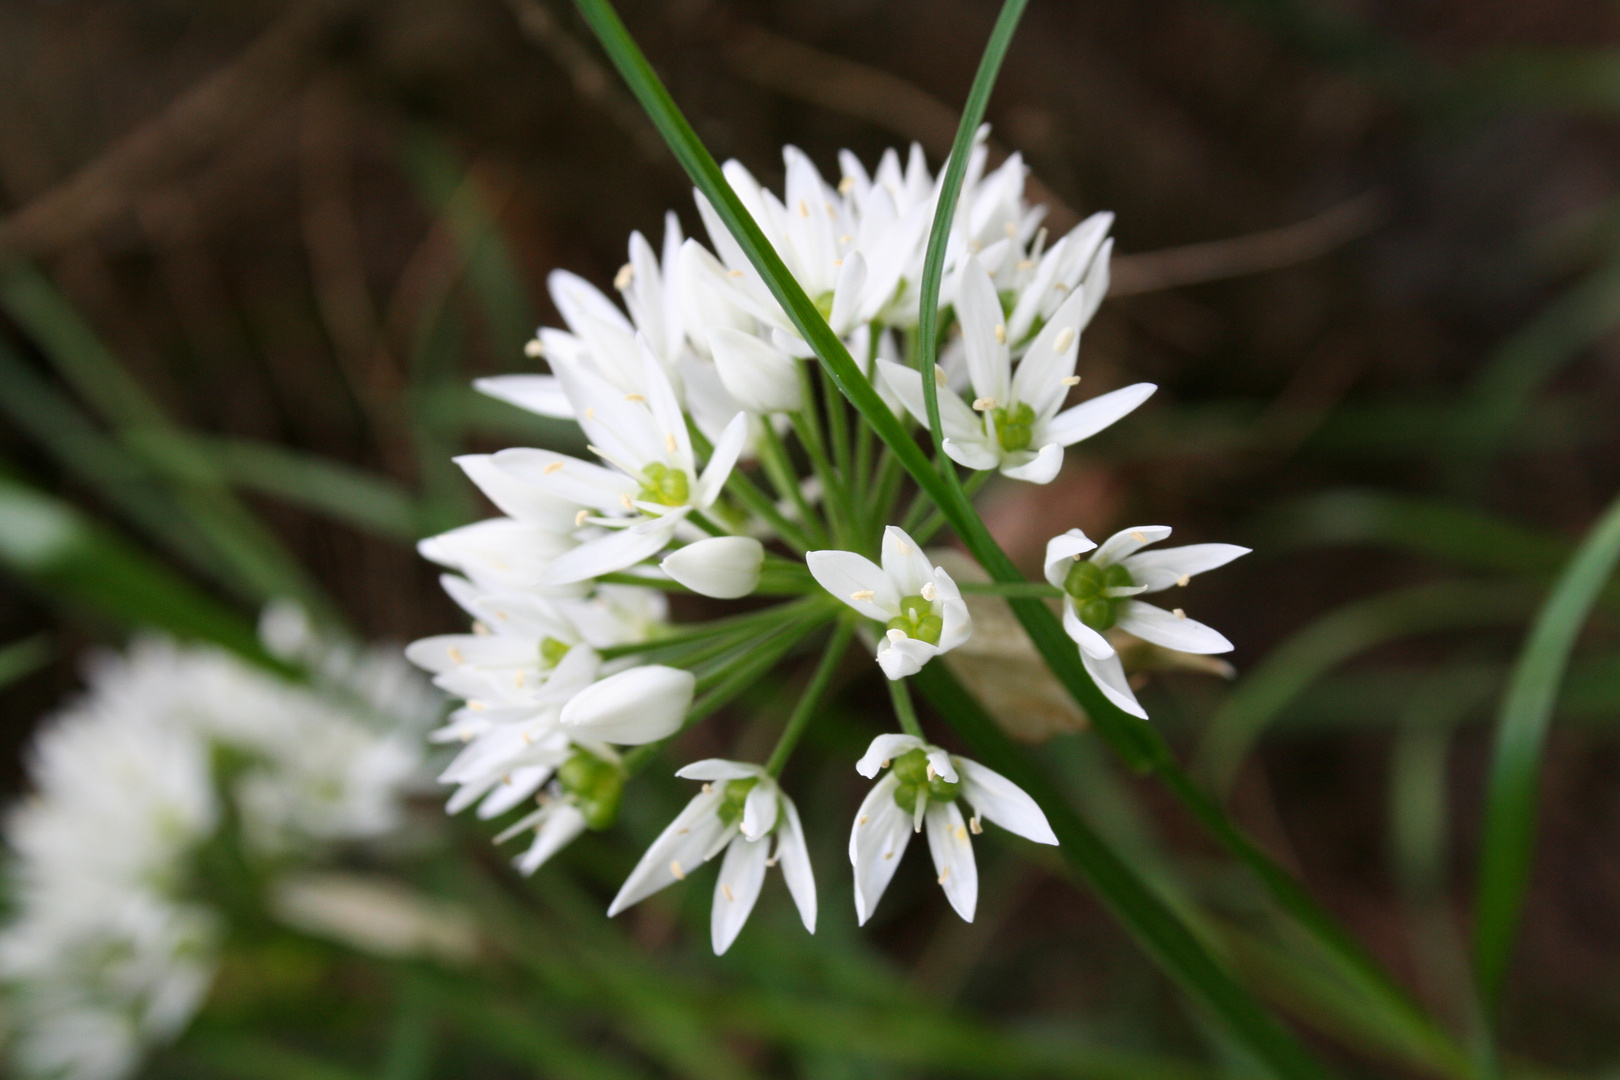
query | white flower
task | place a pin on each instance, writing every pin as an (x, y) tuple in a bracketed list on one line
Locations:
[(919, 605), (724, 567), (738, 810), (1099, 594), (762, 378), (921, 789), (638, 706), (654, 482), (1014, 423)]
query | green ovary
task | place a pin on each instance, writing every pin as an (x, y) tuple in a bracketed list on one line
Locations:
[(1015, 426), (734, 799), (911, 769), (917, 620), (664, 485), (552, 651), (596, 786), (1088, 583)]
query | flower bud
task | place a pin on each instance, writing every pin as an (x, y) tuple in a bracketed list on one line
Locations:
[(724, 567), (638, 706), (761, 377)]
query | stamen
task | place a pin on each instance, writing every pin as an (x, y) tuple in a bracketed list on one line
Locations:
[(517, 680), (528, 740), (669, 442), (625, 500), (888, 854), (846, 185), (1064, 339), (455, 655), (590, 413), (684, 831), (846, 239), (635, 397), (929, 591), (973, 823), (832, 211), (476, 706), (480, 628), (932, 775), (902, 547), (984, 404), (1026, 264), (1178, 613), (838, 262), (961, 833), (1183, 579), (579, 518), (507, 779), (734, 273), (884, 764), (939, 376), (1001, 334), (1136, 534), (725, 890), (675, 868), (943, 874), (1012, 228), (534, 349), (626, 274), (861, 820), (708, 789), (553, 467), (1070, 380), (804, 211), (862, 594), (773, 860)]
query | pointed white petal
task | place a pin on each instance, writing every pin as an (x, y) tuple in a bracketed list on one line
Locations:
[(615, 551), (1040, 469), (953, 857), (904, 561), (577, 298), (718, 769), (1062, 551), (1109, 675), (1128, 542), (567, 478), (515, 787), (742, 872), (1173, 631), (942, 763), (903, 657), (978, 309), (539, 394), (793, 855), (678, 850), (958, 422), (638, 706), (847, 294), (726, 451), (1168, 566), (515, 498), (760, 376), (760, 809), (876, 843), (724, 567), (884, 749), (954, 614), (557, 830), (1050, 359), (1089, 417), (977, 453), (850, 577), (1090, 641), (996, 798)]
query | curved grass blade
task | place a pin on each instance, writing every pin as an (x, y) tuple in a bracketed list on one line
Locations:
[(1521, 732), (368, 502)]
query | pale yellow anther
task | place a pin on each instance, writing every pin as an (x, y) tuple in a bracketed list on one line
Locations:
[(888, 854), (961, 833), (846, 239), (590, 413), (1137, 535), (503, 616), (1059, 286), (675, 868), (734, 273), (903, 548), (1001, 334), (517, 680), (1064, 339), (579, 518), (528, 740), (507, 779), (625, 501), (939, 376), (943, 874), (984, 404), (1012, 228), (846, 185), (533, 349), (1178, 613), (1070, 380), (1183, 579), (476, 706), (555, 466), (804, 209), (1026, 264), (683, 832), (973, 823), (932, 775), (725, 890), (929, 591), (670, 445), (862, 595), (466, 736), (635, 397), (771, 861), (708, 789), (884, 764), (861, 820), (626, 274), (455, 656), (480, 628), (838, 262)]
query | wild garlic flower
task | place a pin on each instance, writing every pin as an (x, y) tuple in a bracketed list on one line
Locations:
[(1014, 423), (739, 809), (1099, 594), (919, 605), (921, 789)]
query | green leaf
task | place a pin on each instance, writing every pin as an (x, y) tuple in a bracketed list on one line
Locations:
[(22, 658), (1156, 927), (1521, 733), (372, 503)]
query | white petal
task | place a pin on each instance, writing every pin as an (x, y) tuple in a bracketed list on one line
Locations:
[(978, 309), (876, 843), (760, 809), (577, 299), (904, 562), (515, 498), (1168, 566), (567, 478), (953, 857), (847, 294), (742, 872), (942, 763), (1039, 379), (718, 769), (1060, 553), (680, 847), (1109, 675), (1089, 417), (615, 551), (638, 706), (557, 830), (1128, 542), (996, 798), (1173, 631), (726, 451), (1090, 641), (904, 657), (849, 577), (1040, 469), (724, 567), (794, 857), (761, 377), (977, 453), (958, 422), (540, 394), (884, 749), (956, 618), (447, 652)]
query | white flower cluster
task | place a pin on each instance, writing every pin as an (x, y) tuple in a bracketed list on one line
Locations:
[(110, 946), (700, 372)]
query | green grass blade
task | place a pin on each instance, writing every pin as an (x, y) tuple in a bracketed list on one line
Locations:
[(1155, 926), (22, 658), (372, 503), (1521, 732)]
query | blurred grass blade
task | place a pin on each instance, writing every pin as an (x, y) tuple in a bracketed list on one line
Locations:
[(1336, 637), (53, 547), (372, 503), (1155, 926), (22, 658), (1521, 732)]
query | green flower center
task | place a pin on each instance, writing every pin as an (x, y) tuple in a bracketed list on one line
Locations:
[(734, 798), (664, 485), (917, 620), (596, 786), (911, 769), (552, 651), (1015, 426), (1088, 584), (824, 304)]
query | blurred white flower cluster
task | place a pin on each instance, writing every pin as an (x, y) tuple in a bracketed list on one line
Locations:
[(111, 943)]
